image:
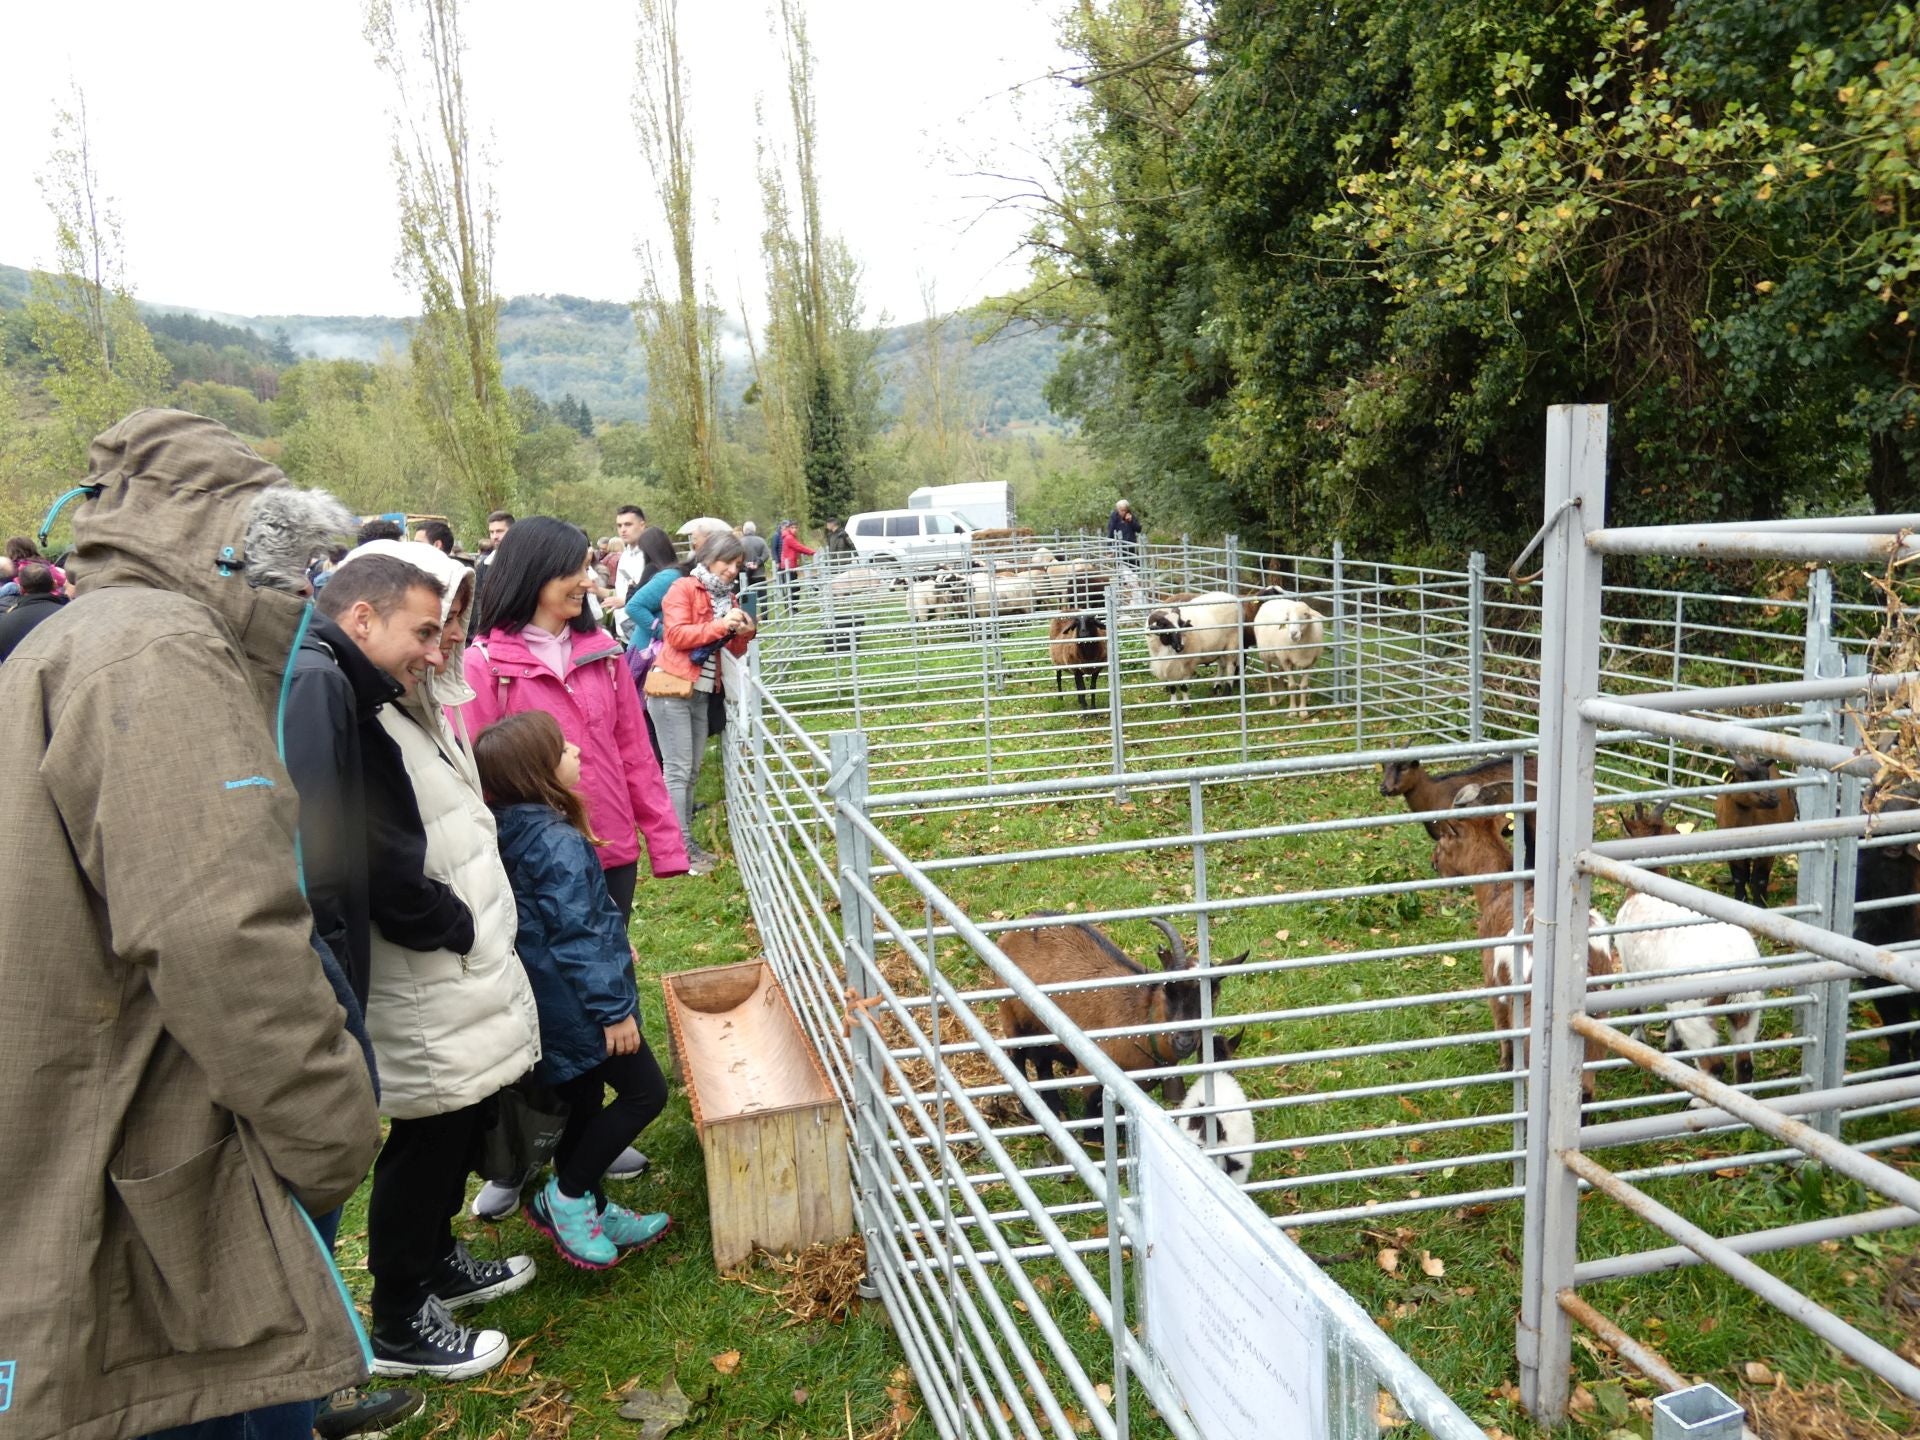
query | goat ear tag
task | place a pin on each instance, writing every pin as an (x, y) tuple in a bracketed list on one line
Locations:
[(1685, 827)]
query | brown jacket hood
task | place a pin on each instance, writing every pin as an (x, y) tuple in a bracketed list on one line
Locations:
[(173, 493), (178, 1081)]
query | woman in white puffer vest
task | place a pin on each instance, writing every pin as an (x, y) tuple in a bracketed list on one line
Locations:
[(449, 1031)]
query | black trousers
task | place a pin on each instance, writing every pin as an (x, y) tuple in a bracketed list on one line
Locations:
[(419, 1182), (597, 1132), (621, 880)]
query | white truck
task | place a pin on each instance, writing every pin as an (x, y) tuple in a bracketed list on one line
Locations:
[(984, 504)]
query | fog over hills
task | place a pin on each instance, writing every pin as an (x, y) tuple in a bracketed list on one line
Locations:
[(559, 345)]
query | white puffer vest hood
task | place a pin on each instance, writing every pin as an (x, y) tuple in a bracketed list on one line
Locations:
[(449, 1030)]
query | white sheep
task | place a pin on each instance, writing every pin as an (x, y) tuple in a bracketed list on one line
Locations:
[(1205, 630), (1004, 594), (1289, 636)]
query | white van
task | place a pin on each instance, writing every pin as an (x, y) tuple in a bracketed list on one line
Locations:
[(912, 537)]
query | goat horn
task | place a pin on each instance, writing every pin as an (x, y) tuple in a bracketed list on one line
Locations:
[(1660, 810), (1177, 960)]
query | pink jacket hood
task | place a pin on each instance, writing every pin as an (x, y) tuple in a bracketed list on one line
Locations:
[(599, 710)]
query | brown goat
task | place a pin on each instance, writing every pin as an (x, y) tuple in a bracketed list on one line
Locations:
[(1057, 954), (1471, 846), (1753, 807), (1078, 646), (1438, 792)]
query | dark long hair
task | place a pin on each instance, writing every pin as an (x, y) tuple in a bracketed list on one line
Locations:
[(536, 550), (518, 759)]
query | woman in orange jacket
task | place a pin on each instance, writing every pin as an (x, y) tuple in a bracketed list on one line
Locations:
[(698, 617)]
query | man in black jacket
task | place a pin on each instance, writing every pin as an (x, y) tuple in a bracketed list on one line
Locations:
[(37, 602), (375, 631)]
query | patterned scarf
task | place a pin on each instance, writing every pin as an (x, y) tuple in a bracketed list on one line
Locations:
[(718, 590)]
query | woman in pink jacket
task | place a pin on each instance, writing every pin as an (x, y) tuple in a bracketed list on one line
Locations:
[(537, 648)]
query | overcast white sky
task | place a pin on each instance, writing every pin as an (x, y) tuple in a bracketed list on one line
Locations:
[(245, 144)]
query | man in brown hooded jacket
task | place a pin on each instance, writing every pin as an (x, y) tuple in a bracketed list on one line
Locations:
[(177, 1085)]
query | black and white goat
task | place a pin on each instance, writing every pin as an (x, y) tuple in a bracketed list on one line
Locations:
[(1227, 1104), (1688, 941)]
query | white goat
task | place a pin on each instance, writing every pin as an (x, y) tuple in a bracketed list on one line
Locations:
[(1687, 941), (1289, 636), (1205, 630)]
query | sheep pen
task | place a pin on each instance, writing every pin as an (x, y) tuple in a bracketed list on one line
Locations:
[(1383, 1127)]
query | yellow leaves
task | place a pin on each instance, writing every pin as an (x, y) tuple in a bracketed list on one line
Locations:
[(1594, 172), (1388, 1260), (1431, 1265), (727, 1362), (1387, 1413), (1765, 192), (1846, 93), (1768, 172), (1563, 212), (1765, 287)]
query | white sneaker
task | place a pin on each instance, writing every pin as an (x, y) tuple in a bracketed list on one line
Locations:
[(496, 1201), (629, 1164)]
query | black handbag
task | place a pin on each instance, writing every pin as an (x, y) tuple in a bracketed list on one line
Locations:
[(529, 1119)]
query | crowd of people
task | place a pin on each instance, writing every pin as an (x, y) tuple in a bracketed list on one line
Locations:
[(338, 833)]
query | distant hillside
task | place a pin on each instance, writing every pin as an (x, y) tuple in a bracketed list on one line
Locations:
[(559, 345)]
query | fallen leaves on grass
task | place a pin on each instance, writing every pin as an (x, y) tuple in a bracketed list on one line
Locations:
[(1388, 1260), (901, 1411), (726, 1362), (1757, 1373), (1387, 1414), (660, 1411), (1817, 1412), (1432, 1264), (547, 1414)]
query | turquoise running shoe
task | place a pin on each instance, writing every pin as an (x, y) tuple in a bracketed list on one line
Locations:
[(574, 1228), (630, 1231)]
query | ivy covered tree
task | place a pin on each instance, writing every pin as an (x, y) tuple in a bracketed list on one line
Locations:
[(1330, 267)]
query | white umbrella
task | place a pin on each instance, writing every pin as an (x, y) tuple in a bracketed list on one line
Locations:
[(705, 522)]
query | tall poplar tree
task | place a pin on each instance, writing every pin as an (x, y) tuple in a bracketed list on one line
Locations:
[(447, 220), (682, 354), (820, 355)]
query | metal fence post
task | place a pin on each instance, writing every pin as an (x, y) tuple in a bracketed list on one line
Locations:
[(1115, 714), (1821, 887), (1476, 642), (1233, 564), (1576, 472), (847, 788), (1339, 625)]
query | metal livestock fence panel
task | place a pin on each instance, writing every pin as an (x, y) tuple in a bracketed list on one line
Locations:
[(1369, 1060)]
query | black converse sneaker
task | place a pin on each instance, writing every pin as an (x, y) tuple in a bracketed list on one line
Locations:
[(355, 1414), (428, 1342), (461, 1280)]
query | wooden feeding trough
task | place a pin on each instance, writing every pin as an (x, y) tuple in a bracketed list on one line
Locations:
[(770, 1126)]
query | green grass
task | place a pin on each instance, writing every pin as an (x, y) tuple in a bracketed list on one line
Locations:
[(1458, 1324), (662, 1313)]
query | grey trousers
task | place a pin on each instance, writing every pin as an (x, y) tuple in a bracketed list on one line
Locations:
[(681, 726)]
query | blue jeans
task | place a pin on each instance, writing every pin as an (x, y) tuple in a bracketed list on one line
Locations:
[(292, 1421)]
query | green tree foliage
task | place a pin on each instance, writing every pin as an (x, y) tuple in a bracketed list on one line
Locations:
[(1331, 267), (100, 361), (446, 247)]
